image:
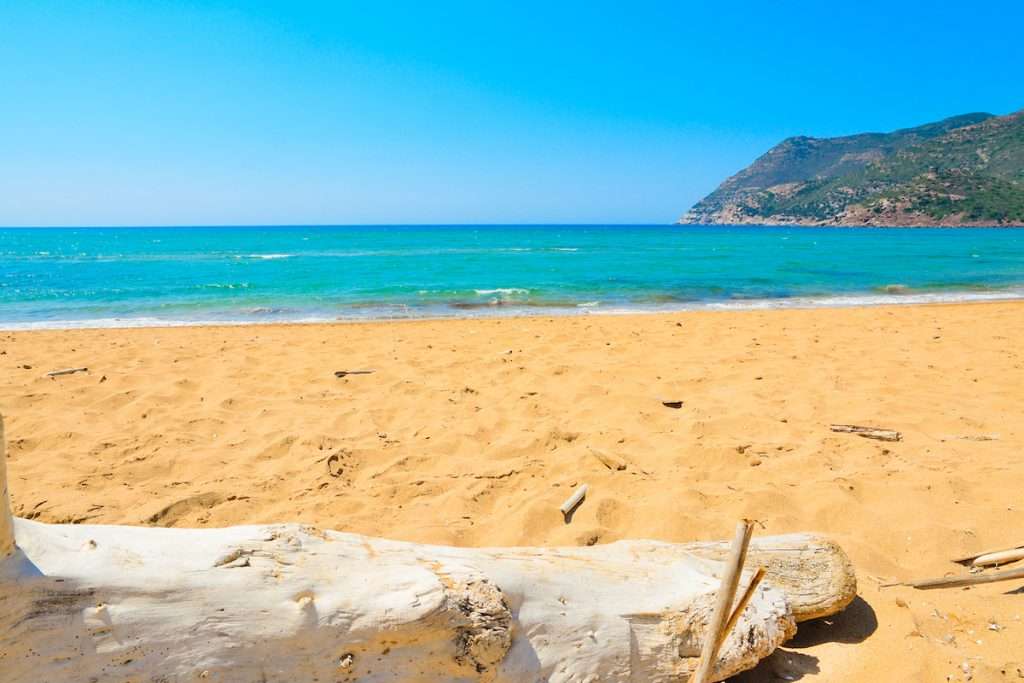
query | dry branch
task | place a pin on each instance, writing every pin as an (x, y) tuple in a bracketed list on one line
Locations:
[(969, 559), (717, 629), (741, 604), (66, 371), (994, 559), (612, 462), (346, 373), (573, 501), (869, 432), (969, 580)]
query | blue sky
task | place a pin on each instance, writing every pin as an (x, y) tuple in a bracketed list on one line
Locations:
[(160, 113)]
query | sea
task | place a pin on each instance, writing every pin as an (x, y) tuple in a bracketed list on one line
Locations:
[(124, 277)]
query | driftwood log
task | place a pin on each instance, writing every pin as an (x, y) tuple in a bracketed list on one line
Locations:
[(295, 604)]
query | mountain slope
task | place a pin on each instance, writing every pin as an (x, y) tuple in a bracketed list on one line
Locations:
[(966, 170)]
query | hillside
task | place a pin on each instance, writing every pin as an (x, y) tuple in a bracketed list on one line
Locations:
[(967, 170)]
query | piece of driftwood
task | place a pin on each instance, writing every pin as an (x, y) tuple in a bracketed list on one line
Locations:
[(66, 371), (346, 373), (969, 559), (1002, 557), (717, 631), (742, 603), (6, 519), (612, 462), (966, 580), (813, 571), (290, 603), (573, 501), (869, 432)]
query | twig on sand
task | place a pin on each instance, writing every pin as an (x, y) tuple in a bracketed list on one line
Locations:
[(869, 432), (346, 373), (66, 371), (962, 580), (969, 559), (995, 559), (718, 628), (977, 437), (612, 462), (573, 501)]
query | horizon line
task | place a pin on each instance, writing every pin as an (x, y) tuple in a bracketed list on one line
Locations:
[(325, 225)]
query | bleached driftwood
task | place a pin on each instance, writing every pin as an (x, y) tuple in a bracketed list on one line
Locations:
[(718, 627), (1004, 557), (964, 580), (814, 572), (612, 462), (984, 557), (573, 501), (294, 604), (869, 432), (741, 603), (66, 371)]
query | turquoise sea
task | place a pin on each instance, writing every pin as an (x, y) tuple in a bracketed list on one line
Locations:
[(64, 277)]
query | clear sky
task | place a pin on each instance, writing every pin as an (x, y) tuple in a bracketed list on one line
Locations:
[(143, 113)]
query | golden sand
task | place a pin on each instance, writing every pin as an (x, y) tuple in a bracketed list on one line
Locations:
[(474, 432)]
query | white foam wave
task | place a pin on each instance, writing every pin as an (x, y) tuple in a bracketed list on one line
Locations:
[(385, 312), (266, 257), (502, 291)]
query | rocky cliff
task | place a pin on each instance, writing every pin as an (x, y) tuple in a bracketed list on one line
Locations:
[(963, 171)]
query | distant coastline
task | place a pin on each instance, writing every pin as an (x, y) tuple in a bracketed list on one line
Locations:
[(965, 171)]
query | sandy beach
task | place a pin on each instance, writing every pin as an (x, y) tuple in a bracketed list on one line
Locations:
[(472, 432)]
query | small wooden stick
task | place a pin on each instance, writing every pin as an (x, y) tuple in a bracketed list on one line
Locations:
[(345, 373), (974, 579), (573, 501), (1003, 557), (716, 632), (612, 462), (66, 371), (742, 604), (968, 559), (869, 432)]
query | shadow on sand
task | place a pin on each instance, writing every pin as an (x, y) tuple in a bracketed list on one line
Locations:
[(853, 625)]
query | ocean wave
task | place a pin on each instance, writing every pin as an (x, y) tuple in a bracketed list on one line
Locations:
[(267, 310), (266, 257), (498, 308), (501, 291), (224, 285)]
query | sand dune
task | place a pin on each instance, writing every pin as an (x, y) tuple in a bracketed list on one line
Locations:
[(473, 432)]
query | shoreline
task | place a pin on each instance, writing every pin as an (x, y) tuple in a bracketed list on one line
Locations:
[(511, 311)]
